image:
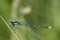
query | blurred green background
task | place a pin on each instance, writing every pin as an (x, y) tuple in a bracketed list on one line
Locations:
[(43, 12)]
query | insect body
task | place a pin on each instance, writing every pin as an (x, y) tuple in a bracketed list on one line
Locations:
[(17, 23)]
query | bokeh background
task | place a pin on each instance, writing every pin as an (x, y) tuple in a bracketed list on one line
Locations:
[(36, 12)]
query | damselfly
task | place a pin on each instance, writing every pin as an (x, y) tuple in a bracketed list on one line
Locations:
[(30, 25)]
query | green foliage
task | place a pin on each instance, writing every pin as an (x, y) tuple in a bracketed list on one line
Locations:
[(44, 13)]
